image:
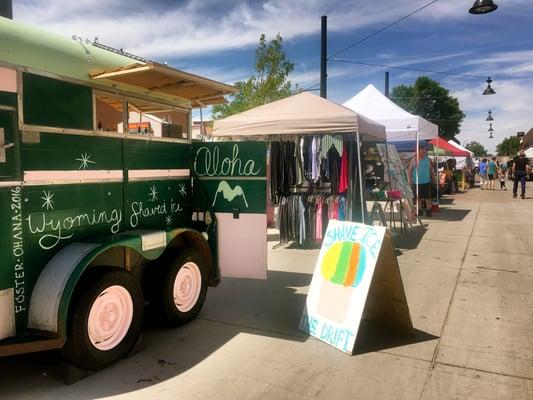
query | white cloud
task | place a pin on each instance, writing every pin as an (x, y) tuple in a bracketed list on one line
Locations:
[(198, 27)]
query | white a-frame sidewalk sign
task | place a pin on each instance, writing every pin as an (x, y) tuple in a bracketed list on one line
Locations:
[(356, 277)]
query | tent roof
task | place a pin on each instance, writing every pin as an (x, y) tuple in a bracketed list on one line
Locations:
[(400, 124), (457, 145), (303, 113), (444, 145)]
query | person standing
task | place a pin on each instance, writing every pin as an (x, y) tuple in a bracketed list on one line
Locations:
[(420, 177), (520, 167), (491, 172), (483, 173), (501, 168)]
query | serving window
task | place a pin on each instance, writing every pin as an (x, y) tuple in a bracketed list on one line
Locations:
[(55, 105), (138, 117)]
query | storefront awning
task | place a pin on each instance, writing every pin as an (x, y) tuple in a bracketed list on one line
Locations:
[(160, 79)]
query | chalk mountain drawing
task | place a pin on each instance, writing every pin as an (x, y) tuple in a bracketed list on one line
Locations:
[(228, 193)]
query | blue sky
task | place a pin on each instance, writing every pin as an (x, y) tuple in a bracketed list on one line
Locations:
[(218, 39)]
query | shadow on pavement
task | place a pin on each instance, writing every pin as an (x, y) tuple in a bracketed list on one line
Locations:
[(446, 201), (373, 338), (447, 214), (258, 307), (270, 308), (409, 240)]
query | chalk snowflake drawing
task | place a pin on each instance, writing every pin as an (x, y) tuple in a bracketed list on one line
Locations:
[(48, 200), (152, 195), (228, 193), (182, 189), (85, 160), (168, 220)]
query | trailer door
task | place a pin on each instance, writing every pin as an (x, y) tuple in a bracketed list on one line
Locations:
[(8, 151), (10, 203), (230, 177)]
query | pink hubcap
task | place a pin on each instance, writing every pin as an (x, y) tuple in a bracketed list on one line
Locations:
[(187, 287), (110, 318)]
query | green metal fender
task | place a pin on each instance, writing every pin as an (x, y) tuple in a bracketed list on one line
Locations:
[(56, 285)]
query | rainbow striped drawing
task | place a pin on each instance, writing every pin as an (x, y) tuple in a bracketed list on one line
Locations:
[(344, 264)]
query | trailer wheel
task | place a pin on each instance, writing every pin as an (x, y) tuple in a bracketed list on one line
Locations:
[(105, 319), (181, 289)]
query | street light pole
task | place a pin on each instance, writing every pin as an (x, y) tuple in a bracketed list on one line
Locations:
[(324, 57)]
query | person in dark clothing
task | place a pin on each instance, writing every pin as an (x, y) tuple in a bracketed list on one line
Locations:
[(520, 167)]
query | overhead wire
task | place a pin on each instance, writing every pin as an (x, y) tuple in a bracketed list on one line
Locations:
[(364, 39), (407, 68)]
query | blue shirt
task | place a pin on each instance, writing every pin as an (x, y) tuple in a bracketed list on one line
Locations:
[(424, 174), (482, 168), (492, 167)]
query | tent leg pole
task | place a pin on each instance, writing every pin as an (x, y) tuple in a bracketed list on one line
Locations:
[(416, 176), (363, 205), (438, 201)]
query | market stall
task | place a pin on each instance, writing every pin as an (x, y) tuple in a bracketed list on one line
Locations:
[(449, 181), (461, 160), (400, 125), (317, 171)]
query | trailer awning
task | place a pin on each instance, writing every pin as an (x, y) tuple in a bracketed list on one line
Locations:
[(159, 78)]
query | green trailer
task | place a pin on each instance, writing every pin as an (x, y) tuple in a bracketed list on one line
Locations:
[(107, 208)]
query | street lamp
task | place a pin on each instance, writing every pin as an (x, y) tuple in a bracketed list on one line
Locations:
[(489, 118), (489, 90), (483, 7), (490, 131)]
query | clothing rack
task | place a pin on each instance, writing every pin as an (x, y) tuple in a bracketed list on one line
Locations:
[(300, 168)]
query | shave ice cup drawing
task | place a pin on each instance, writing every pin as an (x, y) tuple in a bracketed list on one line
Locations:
[(342, 270)]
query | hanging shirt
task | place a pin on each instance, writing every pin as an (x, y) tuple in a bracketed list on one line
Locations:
[(342, 209), (343, 180), (301, 216), (334, 168), (318, 223), (315, 159), (424, 174)]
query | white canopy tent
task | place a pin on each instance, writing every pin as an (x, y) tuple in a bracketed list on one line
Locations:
[(303, 113), (400, 124)]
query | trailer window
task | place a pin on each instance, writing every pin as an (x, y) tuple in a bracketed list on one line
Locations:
[(109, 114), (138, 117), (55, 103), (151, 119)]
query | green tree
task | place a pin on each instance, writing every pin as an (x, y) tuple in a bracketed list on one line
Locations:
[(428, 99), (508, 146), (270, 82), (476, 148)]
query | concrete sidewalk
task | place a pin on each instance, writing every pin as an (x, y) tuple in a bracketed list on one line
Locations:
[(469, 284)]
